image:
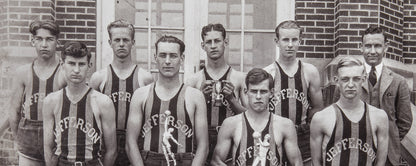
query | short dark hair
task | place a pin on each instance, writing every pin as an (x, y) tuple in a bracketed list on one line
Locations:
[(349, 61), (257, 75), (374, 29), (171, 39), (49, 25), (288, 24), (213, 27), (121, 23), (75, 49)]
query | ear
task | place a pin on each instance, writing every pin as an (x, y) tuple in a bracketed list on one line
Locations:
[(361, 47), (226, 41), (133, 42), (202, 44), (109, 41), (272, 92), (245, 89), (32, 41), (386, 46), (336, 78), (276, 40)]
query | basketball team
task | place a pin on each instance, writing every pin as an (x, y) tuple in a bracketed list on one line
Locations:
[(273, 116)]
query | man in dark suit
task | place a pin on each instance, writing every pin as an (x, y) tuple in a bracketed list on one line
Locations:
[(385, 90)]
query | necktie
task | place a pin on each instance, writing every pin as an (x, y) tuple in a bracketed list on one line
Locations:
[(372, 77)]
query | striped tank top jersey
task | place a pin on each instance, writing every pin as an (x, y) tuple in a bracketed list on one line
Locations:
[(153, 128), (216, 115), (120, 92), (291, 95), (36, 91), (78, 134), (351, 143), (244, 154)]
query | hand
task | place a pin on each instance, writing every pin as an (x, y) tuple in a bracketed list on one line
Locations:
[(228, 90), (206, 89)]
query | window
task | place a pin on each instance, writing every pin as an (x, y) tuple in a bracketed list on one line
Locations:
[(249, 23)]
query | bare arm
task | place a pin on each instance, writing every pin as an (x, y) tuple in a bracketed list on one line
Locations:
[(382, 133), (201, 127), (223, 143), (96, 80), (16, 102), (315, 92), (234, 103), (134, 126), (291, 144), (403, 110), (316, 139), (48, 136), (109, 130)]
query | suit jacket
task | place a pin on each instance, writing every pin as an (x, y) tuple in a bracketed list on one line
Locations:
[(395, 100)]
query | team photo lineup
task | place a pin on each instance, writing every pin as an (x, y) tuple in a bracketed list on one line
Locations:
[(270, 116)]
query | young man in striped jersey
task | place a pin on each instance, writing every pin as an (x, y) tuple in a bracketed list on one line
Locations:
[(120, 79), (31, 84), (257, 136), (222, 86), (297, 93), (167, 118), (77, 119), (349, 132)]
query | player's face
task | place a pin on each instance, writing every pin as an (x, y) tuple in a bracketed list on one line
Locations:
[(350, 80), (373, 48), (214, 44), (76, 69), (121, 42), (168, 59), (288, 42), (259, 95), (45, 43)]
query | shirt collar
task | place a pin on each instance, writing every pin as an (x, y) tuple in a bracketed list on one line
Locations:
[(379, 67)]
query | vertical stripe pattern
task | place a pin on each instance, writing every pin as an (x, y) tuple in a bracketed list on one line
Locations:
[(351, 143), (36, 91), (291, 95), (78, 136), (244, 154), (216, 115), (120, 92), (154, 123)]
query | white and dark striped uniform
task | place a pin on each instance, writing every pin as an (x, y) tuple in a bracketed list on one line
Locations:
[(244, 154), (36, 91), (120, 92), (78, 135), (351, 143), (291, 95), (151, 135), (216, 115)]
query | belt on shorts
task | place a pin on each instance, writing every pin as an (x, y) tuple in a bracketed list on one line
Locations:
[(178, 156), (31, 122), (79, 163)]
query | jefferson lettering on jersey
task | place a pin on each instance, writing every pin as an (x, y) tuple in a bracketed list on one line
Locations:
[(154, 120), (244, 154), (36, 91), (350, 143), (78, 136), (120, 92)]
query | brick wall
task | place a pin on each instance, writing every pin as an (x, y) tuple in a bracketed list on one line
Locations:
[(391, 18), (409, 32), (317, 19), (77, 21)]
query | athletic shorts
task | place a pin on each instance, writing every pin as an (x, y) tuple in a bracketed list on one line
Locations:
[(158, 159), (303, 133), (122, 158), (30, 139)]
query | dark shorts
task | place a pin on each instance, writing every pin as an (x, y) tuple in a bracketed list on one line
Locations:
[(122, 158), (158, 159), (95, 162), (30, 139), (303, 133)]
